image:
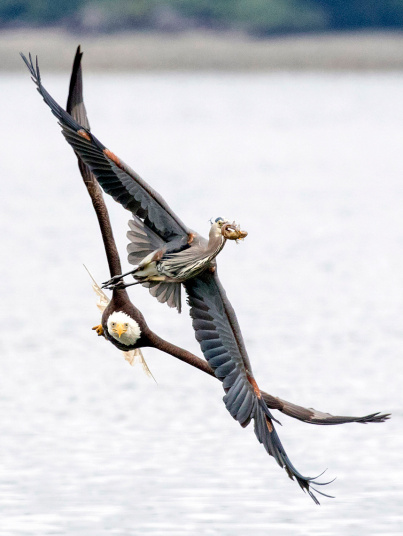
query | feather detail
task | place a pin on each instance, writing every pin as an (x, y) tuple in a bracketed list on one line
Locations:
[(103, 301), (136, 356)]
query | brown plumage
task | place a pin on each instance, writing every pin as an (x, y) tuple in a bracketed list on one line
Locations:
[(214, 320)]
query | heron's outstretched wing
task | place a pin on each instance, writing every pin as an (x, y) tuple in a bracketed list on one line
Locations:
[(115, 177), (221, 342)]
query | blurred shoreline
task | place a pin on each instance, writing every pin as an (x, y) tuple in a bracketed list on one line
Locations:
[(204, 51)]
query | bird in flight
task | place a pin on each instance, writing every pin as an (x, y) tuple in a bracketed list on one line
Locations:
[(216, 327)]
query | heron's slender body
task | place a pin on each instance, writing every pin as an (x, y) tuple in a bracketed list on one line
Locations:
[(182, 265), (157, 228), (177, 262), (163, 263)]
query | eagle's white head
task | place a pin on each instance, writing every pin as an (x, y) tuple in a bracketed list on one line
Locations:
[(123, 328)]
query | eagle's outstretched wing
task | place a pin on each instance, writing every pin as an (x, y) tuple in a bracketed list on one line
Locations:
[(314, 416), (75, 101), (76, 108)]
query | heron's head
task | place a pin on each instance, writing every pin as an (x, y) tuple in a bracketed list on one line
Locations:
[(230, 231), (123, 328)]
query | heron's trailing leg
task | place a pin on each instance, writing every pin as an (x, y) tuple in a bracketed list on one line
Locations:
[(117, 278), (120, 284)]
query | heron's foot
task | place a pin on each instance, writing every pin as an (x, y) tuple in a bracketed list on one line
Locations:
[(122, 284), (115, 279), (118, 279), (117, 285), (99, 329)]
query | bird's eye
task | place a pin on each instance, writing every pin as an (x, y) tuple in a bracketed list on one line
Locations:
[(126, 325), (113, 324)]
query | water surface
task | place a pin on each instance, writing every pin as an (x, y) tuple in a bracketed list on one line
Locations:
[(311, 165)]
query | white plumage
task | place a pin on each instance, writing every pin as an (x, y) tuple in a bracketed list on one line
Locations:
[(132, 330), (131, 356)]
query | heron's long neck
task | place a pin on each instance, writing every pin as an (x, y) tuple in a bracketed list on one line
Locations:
[(215, 244)]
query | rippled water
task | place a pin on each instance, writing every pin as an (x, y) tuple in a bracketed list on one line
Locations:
[(312, 166)]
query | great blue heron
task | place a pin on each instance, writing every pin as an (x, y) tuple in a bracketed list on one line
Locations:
[(162, 263), (214, 320), (164, 250)]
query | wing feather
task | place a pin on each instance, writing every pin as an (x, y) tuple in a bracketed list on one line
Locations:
[(116, 178), (314, 416), (245, 408), (75, 103), (217, 330)]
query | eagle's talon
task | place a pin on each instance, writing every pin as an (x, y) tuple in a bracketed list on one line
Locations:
[(99, 329)]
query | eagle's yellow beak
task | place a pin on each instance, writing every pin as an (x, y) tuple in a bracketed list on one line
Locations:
[(120, 329)]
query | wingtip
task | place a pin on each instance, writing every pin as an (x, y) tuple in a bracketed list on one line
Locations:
[(272, 443), (34, 70), (307, 484), (375, 418), (78, 56)]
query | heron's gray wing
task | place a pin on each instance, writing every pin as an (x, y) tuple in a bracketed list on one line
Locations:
[(116, 178), (220, 338)]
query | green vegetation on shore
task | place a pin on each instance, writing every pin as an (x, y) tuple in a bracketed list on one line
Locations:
[(257, 17)]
